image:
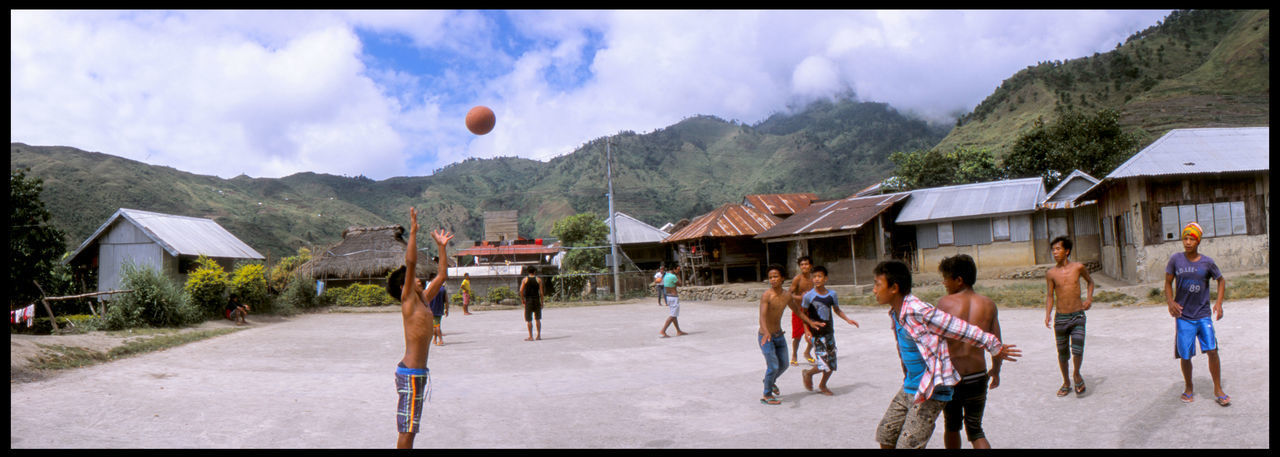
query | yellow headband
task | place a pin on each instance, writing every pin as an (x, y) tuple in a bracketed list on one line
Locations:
[(1193, 229)]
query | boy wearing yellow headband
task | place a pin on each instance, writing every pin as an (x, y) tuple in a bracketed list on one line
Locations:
[(1189, 305)]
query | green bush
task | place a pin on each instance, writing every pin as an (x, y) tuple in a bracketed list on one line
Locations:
[(282, 274), (570, 285), (497, 294), (155, 301), (299, 293), (208, 287), (249, 283), (357, 295)]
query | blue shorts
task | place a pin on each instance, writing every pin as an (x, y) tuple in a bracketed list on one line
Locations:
[(1184, 346)]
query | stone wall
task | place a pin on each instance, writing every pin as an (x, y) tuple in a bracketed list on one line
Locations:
[(1231, 253)]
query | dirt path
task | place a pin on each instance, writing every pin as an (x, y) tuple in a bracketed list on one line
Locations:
[(601, 378)]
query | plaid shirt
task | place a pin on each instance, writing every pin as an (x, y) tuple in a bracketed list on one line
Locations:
[(928, 326)]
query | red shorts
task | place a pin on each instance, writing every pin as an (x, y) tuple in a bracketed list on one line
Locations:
[(797, 326)]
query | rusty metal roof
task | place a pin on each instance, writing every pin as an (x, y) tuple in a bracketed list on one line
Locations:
[(780, 204), (834, 216), (1063, 195), (728, 220)]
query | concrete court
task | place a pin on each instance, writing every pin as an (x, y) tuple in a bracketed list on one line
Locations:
[(601, 378)]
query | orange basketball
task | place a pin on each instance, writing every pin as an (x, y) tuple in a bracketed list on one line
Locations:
[(480, 120)]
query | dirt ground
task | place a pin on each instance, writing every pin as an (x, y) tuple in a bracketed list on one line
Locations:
[(601, 378)]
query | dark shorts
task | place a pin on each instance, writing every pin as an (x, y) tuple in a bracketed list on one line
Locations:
[(533, 311), (968, 400), (412, 384), (1068, 330), (824, 350)]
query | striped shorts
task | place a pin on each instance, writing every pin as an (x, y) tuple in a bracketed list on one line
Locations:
[(413, 384), (1068, 330)]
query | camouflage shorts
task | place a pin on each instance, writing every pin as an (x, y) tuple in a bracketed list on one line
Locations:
[(908, 425)]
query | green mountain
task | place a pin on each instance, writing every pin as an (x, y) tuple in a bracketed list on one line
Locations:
[(832, 148), (1201, 68)]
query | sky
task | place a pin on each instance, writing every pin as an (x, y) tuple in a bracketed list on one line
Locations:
[(381, 93)]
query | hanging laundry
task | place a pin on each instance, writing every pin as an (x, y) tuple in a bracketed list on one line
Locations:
[(18, 315)]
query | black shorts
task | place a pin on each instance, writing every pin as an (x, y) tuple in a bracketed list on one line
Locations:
[(532, 311), (968, 400)]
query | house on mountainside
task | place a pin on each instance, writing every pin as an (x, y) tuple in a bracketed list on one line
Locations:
[(166, 242), (848, 236), (365, 255), (720, 246), (1217, 177)]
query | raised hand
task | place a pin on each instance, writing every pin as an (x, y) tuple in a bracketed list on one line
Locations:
[(1008, 352), (413, 220), (442, 236)]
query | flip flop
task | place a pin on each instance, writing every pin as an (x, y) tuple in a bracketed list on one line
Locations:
[(1188, 398), (1080, 389), (811, 360), (770, 401), (1063, 391), (795, 363), (1224, 400), (775, 390)]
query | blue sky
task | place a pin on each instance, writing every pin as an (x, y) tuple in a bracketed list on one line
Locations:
[(384, 93)]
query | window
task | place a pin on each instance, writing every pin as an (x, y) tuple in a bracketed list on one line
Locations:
[(1106, 231), (1216, 219), (1128, 229), (971, 232), (1000, 228), (944, 233), (927, 236), (1020, 228)]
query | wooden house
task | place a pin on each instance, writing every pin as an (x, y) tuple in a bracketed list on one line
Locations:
[(168, 243), (1060, 215), (847, 236), (639, 242), (720, 246), (1217, 177)]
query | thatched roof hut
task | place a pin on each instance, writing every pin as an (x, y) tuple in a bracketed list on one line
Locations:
[(365, 253)]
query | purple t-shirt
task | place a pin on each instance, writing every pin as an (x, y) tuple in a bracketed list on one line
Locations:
[(1191, 283)]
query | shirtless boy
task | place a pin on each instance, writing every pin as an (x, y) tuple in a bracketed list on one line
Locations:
[(969, 397), (1068, 324), (799, 286), (773, 341), (411, 373)]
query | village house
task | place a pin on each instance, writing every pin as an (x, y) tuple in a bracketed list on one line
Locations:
[(989, 221), (847, 236), (365, 255), (720, 246), (500, 258), (1061, 215), (639, 242), (1217, 177), (168, 243)]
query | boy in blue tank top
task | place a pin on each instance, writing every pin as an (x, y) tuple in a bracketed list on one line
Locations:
[(1189, 305)]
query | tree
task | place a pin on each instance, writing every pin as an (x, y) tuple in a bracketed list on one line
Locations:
[(1094, 144), (582, 230), (35, 246), (926, 168)]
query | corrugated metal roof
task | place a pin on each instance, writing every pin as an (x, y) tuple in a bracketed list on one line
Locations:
[(635, 231), (179, 235), (833, 216), (1057, 199), (1011, 196), (728, 220), (509, 250), (1203, 150), (780, 204)]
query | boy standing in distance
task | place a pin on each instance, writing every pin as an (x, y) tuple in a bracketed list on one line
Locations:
[(969, 397), (1190, 308), (411, 373), (669, 283), (819, 305), (531, 297), (439, 303), (773, 341), (1068, 324), (801, 285), (466, 293), (928, 373), (657, 284)]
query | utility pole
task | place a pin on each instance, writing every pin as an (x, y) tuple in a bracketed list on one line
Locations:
[(613, 221)]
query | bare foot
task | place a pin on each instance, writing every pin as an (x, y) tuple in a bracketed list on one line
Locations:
[(466, 314), (665, 335), (825, 391), (808, 380), (680, 333), (529, 339), (539, 337)]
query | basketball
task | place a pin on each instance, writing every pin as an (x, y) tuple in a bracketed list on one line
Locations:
[(480, 120)]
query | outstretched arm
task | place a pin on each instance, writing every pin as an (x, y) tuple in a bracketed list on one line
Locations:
[(410, 263), (442, 238), (840, 313)]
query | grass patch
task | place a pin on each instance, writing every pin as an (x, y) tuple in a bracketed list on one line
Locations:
[(1109, 296), (1252, 285), (59, 357)]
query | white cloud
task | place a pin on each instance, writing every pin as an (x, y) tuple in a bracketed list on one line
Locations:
[(279, 92)]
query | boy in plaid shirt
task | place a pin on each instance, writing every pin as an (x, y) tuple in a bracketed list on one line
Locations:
[(928, 374)]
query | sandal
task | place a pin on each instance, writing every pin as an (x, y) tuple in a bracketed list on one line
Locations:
[(770, 401), (1188, 398), (775, 391), (811, 361), (1224, 400), (1063, 391), (795, 363), (1080, 389)]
